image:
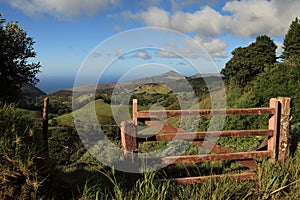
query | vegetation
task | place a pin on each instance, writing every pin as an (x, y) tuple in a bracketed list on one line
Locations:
[(69, 171), (291, 43), (15, 70), (23, 165), (247, 62)]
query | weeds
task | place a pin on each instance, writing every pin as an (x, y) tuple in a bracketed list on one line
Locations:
[(21, 157)]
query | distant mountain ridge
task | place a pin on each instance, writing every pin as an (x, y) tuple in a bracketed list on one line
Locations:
[(33, 92), (169, 76)]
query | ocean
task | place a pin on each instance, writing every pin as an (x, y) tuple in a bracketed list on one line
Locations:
[(50, 84)]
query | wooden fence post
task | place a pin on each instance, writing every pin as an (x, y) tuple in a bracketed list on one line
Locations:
[(130, 147), (284, 136), (45, 125), (273, 125), (134, 111), (128, 136)]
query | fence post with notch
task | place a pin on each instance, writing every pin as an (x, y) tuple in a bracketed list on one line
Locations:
[(130, 148)]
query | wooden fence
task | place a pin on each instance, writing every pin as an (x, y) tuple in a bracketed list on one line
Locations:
[(277, 136)]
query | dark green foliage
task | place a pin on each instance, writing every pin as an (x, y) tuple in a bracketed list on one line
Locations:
[(247, 62), (277, 80), (291, 43), (31, 94), (104, 94), (15, 70), (282, 79)]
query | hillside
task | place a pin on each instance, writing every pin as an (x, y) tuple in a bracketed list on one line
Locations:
[(104, 113), (143, 89), (170, 76), (32, 92)]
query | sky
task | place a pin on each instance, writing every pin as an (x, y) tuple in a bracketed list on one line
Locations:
[(69, 33)]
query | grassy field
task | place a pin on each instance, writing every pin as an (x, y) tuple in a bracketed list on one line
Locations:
[(78, 175), (275, 181), (103, 111)]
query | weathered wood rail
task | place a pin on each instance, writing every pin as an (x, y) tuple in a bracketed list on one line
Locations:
[(277, 136)]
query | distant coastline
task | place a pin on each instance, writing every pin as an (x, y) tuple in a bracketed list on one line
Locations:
[(52, 83)]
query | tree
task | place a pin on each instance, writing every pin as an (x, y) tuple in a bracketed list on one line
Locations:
[(247, 62), (15, 70), (291, 43)]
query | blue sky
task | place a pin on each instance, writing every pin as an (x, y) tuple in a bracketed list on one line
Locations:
[(67, 31)]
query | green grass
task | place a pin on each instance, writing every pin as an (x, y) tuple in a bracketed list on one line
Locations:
[(27, 113), (103, 112), (275, 181), (23, 160), (152, 89)]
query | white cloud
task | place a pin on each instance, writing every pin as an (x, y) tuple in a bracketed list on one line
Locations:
[(195, 48), (143, 54), (279, 47), (156, 17), (62, 8), (191, 49), (216, 48), (120, 53), (167, 54), (253, 17), (242, 18), (206, 22)]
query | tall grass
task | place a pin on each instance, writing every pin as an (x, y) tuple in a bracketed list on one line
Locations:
[(22, 164), (275, 181)]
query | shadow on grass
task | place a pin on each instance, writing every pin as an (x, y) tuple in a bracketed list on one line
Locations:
[(201, 169), (73, 182)]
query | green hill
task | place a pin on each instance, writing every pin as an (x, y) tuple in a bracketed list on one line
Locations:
[(104, 113)]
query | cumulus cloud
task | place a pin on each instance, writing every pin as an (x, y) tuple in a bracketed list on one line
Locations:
[(154, 16), (279, 47), (253, 17), (241, 18), (167, 54), (244, 18), (206, 22), (62, 8), (191, 49), (142, 54), (195, 48), (216, 48), (120, 53)]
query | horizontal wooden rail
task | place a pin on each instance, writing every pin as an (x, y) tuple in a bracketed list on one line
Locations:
[(197, 179), (212, 157), (278, 112), (217, 112), (201, 135)]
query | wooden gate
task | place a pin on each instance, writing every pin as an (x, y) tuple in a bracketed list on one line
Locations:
[(277, 136)]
